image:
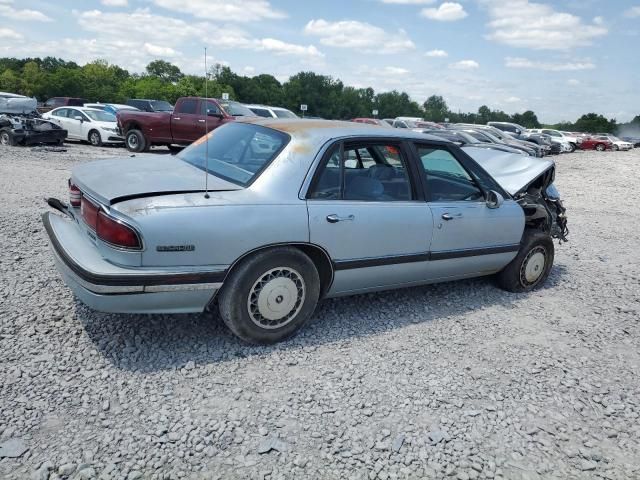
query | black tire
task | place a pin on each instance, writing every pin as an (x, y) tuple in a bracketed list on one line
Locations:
[(600, 147), (6, 139), (573, 147), (525, 272), (266, 283), (135, 142), (616, 148), (95, 139)]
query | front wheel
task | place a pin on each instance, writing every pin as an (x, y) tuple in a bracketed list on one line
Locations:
[(95, 139), (135, 141), (572, 147), (616, 148), (532, 265), (270, 295), (600, 147)]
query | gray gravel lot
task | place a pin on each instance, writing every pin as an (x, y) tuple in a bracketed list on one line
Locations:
[(459, 380)]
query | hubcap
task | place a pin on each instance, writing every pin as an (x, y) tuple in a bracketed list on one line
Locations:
[(533, 266), (276, 298), (4, 139), (133, 141), (94, 138)]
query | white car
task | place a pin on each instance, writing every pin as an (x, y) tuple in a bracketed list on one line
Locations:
[(86, 124), (563, 137), (271, 112), (617, 143), (110, 107)]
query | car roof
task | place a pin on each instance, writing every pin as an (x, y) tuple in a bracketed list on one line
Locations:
[(330, 129)]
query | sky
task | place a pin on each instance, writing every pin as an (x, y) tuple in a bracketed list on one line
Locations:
[(559, 58)]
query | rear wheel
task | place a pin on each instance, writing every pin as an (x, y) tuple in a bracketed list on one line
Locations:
[(135, 141), (6, 139), (269, 296), (600, 147), (95, 139), (573, 147), (532, 265)]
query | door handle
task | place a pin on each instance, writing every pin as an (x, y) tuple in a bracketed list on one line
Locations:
[(333, 218), (201, 121), (448, 216), (177, 118)]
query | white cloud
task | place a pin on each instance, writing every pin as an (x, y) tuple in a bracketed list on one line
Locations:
[(447, 12), (8, 11), (8, 34), (115, 3), (512, 99), (224, 10), (359, 36), (436, 53), (521, 23), (465, 65), (409, 2), (159, 51), (633, 12), (572, 82), (518, 62), (394, 71), (283, 48), (598, 20)]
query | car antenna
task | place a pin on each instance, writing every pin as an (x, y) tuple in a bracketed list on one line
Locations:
[(206, 127)]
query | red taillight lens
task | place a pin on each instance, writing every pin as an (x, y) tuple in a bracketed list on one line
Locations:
[(74, 195), (89, 212), (116, 233)]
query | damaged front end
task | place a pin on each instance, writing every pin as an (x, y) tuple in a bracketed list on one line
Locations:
[(21, 124), (543, 208)]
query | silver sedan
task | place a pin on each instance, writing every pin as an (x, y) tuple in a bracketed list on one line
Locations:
[(268, 217)]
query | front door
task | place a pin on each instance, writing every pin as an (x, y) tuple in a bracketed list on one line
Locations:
[(73, 125), (364, 210), (469, 238), (208, 111)]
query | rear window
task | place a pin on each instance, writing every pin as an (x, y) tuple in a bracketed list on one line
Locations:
[(161, 106), (76, 102), (237, 152), (100, 116), (261, 112), (236, 109), (282, 113)]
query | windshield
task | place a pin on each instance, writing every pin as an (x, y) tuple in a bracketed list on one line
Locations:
[(161, 106), (100, 115), (236, 109), (282, 113), (238, 152)]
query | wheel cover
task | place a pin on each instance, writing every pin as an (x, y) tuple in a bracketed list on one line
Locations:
[(276, 298), (534, 266), (132, 141), (95, 138), (4, 138)]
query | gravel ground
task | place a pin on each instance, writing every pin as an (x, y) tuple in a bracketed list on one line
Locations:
[(459, 380)]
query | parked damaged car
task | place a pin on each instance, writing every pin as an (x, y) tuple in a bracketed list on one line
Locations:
[(21, 124), (358, 209)]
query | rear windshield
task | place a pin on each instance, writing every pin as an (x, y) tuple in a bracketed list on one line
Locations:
[(100, 115), (161, 106), (236, 109), (237, 152), (284, 113)]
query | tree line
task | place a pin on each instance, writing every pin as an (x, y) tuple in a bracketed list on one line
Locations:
[(325, 96)]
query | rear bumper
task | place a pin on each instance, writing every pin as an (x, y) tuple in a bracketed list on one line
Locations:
[(106, 287)]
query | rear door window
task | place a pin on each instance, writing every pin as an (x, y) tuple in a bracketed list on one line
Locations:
[(188, 106)]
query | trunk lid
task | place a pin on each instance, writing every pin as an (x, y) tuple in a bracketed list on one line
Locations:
[(114, 180), (512, 171)]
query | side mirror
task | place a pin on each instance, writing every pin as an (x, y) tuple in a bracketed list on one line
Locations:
[(494, 199), (214, 113), (79, 118)]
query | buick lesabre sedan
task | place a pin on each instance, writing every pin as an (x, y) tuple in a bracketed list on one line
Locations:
[(266, 217)]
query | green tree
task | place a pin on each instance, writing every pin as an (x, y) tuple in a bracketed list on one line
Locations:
[(33, 80), (10, 81), (435, 109), (397, 104), (595, 123), (164, 71), (527, 119)]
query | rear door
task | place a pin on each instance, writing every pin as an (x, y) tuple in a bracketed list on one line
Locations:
[(367, 211), (469, 238), (185, 127)]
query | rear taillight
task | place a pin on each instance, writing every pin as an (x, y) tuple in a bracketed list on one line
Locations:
[(89, 211), (116, 233), (107, 228), (74, 195)]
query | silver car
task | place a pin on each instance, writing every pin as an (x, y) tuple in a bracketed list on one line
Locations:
[(266, 217)]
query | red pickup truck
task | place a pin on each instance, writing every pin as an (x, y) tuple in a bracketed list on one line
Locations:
[(191, 118)]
